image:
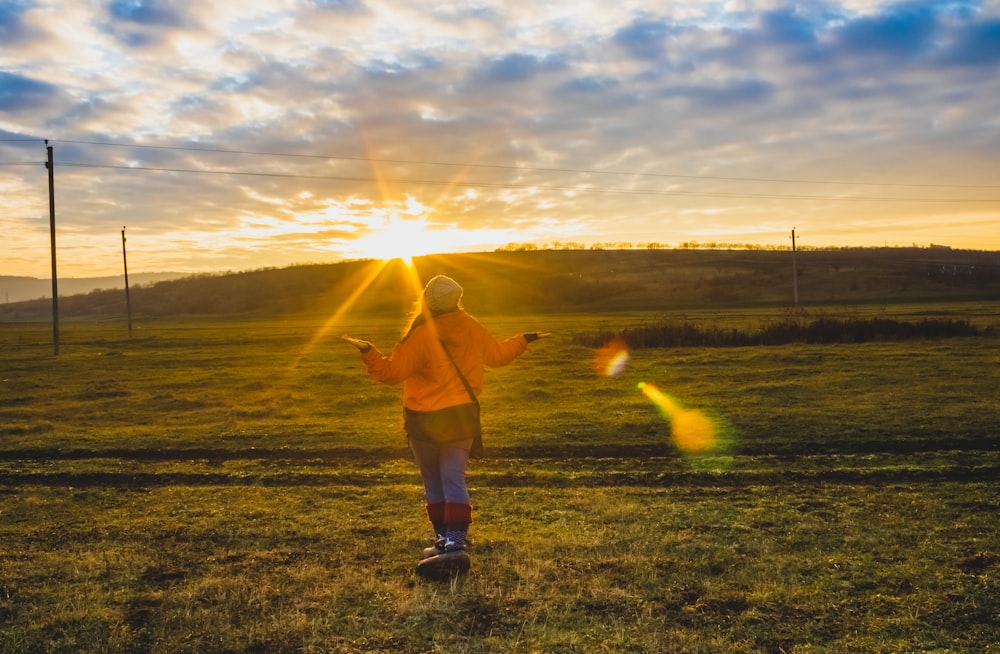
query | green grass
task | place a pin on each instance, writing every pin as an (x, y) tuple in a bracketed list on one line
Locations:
[(234, 386), (654, 568), (226, 487)]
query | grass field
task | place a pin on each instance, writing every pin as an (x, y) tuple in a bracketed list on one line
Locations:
[(218, 486)]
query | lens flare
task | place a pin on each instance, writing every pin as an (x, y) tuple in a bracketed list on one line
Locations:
[(692, 431), (611, 358), (367, 279)]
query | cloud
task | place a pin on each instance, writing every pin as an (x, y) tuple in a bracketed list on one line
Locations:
[(146, 23), (904, 31), (724, 95), (518, 67), (974, 45), (788, 26), (14, 29), (19, 93), (340, 6), (592, 84), (146, 12), (607, 120), (643, 39)]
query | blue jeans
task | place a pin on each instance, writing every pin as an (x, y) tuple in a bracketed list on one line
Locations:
[(442, 468)]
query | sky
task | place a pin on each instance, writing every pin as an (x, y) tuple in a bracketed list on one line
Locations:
[(243, 135)]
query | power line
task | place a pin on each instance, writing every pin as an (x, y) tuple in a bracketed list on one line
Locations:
[(577, 189), (530, 168)]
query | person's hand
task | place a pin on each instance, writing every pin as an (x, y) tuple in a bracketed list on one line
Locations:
[(363, 346), (531, 337)]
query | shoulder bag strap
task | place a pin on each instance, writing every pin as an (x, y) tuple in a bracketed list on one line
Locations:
[(465, 382)]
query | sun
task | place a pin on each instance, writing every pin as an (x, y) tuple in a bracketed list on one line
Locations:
[(399, 238)]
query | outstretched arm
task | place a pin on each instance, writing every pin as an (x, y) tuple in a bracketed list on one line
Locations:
[(363, 346), (500, 353), (404, 360)]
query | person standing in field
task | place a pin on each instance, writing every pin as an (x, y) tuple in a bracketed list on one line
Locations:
[(440, 362)]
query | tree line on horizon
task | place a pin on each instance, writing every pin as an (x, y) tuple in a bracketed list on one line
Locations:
[(708, 245), (557, 280)]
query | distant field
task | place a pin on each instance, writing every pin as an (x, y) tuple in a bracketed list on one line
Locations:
[(241, 486), (231, 385)]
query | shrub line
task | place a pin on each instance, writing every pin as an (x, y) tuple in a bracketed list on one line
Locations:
[(792, 328)]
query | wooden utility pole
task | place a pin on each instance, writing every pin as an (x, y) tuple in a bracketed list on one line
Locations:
[(52, 239), (128, 301), (795, 273)]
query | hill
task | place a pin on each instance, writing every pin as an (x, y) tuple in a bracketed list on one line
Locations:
[(19, 289), (561, 281)]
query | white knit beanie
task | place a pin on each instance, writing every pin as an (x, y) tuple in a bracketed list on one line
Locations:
[(442, 293)]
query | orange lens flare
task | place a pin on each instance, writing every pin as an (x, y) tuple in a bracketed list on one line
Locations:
[(359, 286), (611, 358), (692, 431)]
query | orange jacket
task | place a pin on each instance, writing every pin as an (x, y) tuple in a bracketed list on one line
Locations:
[(429, 378)]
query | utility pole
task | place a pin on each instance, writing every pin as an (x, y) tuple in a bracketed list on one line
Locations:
[(795, 273), (128, 301), (52, 238)]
